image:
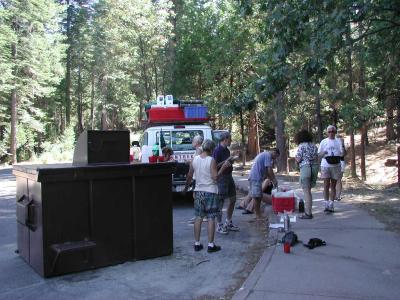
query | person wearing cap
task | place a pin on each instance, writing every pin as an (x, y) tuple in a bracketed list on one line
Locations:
[(331, 150), (226, 184), (261, 168)]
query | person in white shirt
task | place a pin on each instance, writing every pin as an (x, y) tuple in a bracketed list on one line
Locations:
[(206, 200), (331, 150)]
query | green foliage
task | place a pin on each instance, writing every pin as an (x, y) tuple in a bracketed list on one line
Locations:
[(236, 55), (60, 149)]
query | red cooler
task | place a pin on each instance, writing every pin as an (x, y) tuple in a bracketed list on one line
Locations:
[(283, 201)]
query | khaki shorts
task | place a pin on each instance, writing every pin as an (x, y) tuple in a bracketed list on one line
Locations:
[(308, 176), (333, 172)]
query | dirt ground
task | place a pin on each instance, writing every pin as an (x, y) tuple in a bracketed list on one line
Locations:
[(380, 193)]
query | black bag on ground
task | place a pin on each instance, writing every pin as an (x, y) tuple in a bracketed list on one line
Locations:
[(332, 160), (314, 242), (290, 237)]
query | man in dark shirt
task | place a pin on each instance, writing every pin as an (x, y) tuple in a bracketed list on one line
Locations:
[(226, 185)]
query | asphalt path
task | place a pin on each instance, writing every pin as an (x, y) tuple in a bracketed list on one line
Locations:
[(183, 275)]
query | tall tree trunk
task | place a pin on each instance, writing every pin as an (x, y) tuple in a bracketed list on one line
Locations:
[(79, 104), (92, 103), (280, 132), (253, 138), (68, 67), (349, 67), (243, 138), (352, 155), (146, 80), (318, 111), (14, 121), (155, 76), (389, 105), (363, 99), (14, 104), (362, 152)]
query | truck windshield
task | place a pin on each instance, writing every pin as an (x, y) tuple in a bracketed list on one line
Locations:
[(179, 140)]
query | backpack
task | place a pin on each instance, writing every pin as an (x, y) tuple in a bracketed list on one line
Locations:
[(290, 237), (314, 242)]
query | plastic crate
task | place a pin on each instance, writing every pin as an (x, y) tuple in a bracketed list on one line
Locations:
[(162, 114), (195, 112), (281, 204)]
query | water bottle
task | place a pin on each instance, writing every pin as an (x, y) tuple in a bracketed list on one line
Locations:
[(301, 205), (286, 222)]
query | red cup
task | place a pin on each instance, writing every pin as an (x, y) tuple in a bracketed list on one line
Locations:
[(153, 159), (160, 158), (286, 247)]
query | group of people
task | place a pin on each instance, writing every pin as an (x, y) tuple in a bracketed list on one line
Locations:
[(331, 151), (211, 173)]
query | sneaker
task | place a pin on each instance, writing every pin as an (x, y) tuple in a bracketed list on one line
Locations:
[(197, 247), (222, 229), (214, 248), (326, 206), (229, 226), (330, 206)]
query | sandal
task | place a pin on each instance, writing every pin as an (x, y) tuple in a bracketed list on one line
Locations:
[(306, 217)]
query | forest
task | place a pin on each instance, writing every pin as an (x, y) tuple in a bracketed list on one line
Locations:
[(265, 68)]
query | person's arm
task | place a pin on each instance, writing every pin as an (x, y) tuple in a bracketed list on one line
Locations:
[(321, 150), (189, 178), (225, 165), (299, 155), (271, 176), (214, 171)]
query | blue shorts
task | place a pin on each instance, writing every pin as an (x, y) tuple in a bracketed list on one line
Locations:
[(255, 189), (206, 205), (226, 186)]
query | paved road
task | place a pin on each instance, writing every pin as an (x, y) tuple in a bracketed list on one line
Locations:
[(183, 275)]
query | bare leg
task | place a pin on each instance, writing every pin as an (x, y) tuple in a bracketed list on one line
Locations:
[(332, 194), (339, 189), (326, 188), (197, 228), (266, 198), (257, 204), (307, 201), (250, 206), (230, 208), (211, 230)]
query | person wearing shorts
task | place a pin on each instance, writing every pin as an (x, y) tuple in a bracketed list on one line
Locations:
[(330, 149), (307, 158), (206, 199), (226, 184), (262, 167)]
